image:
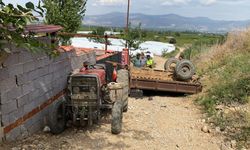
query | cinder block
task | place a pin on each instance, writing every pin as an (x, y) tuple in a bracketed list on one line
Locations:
[(11, 60), (51, 69), (4, 73), (21, 101), (48, 78), (35, 94), (5, 119), (25, 56), (29, 66), (45, 70), (29, 107), (3, 97), (9, 107), (14, 93), (40, 63), (49, 95), (33, 74), (22, 79), (16, 69), (13, 116), (27, 88)]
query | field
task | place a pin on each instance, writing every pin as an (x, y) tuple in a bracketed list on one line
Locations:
[(182, 38)]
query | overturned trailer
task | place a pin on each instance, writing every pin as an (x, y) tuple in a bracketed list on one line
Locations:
[(160, 80)]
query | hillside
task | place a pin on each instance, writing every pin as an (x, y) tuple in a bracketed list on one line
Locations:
[(166, 22), (225, 71)]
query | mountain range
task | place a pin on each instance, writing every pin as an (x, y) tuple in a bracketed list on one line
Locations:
[(166, 22)]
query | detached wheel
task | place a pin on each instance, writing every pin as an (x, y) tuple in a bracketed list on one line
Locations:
[(116, 124), (169, 63), (57, 119), (184, 70)]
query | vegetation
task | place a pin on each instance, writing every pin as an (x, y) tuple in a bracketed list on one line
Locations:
[(98, 31), (133, 37), (66, 13), (181, 39), (226, 96), (13, 21)]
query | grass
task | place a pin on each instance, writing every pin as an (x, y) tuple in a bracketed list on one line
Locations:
[(226, 74)]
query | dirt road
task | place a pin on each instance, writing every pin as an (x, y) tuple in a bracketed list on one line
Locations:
[(166, 122)]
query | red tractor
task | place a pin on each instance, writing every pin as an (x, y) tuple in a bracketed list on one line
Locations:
[(88, 95)]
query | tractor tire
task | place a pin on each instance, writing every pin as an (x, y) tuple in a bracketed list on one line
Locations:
[(116, 124), (184, 70), (123, 77), (169, 63), (125, 106), (57, 117)]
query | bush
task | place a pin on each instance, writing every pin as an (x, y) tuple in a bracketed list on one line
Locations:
[(172, 41), (227, 77)]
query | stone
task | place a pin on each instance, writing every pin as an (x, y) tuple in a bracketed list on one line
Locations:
[(233, 143), (217, 129), (150, 98), (205, 129), (14, 148), (46, 129)]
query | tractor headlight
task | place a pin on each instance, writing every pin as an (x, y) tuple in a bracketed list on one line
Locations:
[(76, 90)]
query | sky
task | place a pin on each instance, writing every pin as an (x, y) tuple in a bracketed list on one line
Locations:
[(214, 9)]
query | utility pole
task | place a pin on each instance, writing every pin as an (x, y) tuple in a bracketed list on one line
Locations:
[(127, 22)]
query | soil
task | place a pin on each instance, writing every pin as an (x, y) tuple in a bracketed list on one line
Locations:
[(160, 121)]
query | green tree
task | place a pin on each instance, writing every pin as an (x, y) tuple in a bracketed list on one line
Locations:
[(66, 13), (12, 26), (98, 31), (133, 37)]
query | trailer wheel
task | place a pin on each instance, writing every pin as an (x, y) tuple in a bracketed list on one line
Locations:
[(169, 63), (57, 117), (116, 124), (123, 77), (184, 70)]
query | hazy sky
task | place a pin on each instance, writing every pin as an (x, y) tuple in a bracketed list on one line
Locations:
[(214, 9)]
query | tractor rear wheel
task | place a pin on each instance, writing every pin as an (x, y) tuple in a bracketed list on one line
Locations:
[(116, 124)]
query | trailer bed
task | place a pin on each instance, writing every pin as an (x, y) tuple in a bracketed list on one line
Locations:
[(160, 80)]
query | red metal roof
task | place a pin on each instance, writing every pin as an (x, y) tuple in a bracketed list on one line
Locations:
[(42, 28)]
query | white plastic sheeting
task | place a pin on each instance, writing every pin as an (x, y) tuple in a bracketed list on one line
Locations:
[(117, 45)]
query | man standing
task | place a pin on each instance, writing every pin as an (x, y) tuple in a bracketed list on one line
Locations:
[(150, 61), (137, 60)]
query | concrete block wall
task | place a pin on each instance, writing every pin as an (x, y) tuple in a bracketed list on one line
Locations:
[(28, 84)]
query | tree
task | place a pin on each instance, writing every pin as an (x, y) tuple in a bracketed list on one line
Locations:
[(172, 41), (133, 37), (12, 26), (98, 31), (66, 13)]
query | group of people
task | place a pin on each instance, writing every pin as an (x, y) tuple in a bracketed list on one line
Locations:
[(141, 61)]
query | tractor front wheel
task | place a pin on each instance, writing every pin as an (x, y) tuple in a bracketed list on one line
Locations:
[(116, 124), (57, 118)]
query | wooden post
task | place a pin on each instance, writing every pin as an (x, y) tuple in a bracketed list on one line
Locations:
[(106, 43)]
